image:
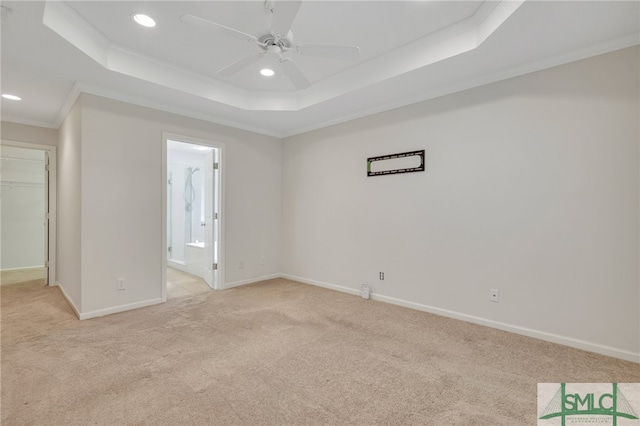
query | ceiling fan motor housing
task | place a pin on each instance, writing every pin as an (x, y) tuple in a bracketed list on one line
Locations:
[(266, 40)]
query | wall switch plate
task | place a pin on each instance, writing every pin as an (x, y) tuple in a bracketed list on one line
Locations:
[(120, 283), (241, 265), (366, 291), (262, 261), (494, 295)]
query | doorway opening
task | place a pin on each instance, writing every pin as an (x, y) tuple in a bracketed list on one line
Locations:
[(27, 226), (192, 216)]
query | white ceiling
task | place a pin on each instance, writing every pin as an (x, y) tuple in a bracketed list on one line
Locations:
[(410, 51)]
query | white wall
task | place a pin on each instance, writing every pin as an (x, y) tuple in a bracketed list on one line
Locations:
[(531, 187), (122, 192), (177, 163), (69, 212), (23, 207)]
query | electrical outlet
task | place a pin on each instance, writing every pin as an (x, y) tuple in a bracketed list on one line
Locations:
[(494, 295), (381, 276), (241, 265), (262, 261), (120, 284), (366, 291)]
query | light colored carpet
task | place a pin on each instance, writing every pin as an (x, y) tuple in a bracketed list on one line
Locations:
[(272, 353)]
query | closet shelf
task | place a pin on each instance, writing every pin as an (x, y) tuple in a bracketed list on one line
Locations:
[(19, 184)]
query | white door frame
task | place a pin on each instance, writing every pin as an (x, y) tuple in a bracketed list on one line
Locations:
[(219, 284), (53, 208)]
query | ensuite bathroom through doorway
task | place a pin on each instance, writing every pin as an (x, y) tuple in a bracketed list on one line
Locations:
[(192, 206)]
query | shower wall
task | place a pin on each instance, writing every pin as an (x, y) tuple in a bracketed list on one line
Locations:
[(185, 207)]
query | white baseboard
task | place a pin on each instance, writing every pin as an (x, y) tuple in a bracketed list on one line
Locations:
[(250, 281), (22, 268), (119, 308), (549, 337), (68, 299), (321, 284), (181, 266), (107, 311)]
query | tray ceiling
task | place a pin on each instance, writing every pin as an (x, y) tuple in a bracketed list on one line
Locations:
[(409, 51)]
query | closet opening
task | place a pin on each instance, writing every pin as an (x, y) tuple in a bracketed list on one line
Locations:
[(27, 223)]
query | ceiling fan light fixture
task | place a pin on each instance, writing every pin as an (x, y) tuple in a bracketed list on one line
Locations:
[(11, 97), (144, 20), (267, 72)]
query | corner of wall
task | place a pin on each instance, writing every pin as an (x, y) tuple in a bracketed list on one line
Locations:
[(75, 310)]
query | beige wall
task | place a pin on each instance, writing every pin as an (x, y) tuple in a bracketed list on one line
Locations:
[(25, 133), (69, 215), (531, 187), (121, 199)]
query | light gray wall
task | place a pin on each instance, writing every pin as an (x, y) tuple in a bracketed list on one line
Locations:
[(122, 191), (531, 187), (69, 212), (31, 134)]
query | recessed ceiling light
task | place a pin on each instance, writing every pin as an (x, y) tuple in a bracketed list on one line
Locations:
[(12, 97), (144, 20), (267, 72)]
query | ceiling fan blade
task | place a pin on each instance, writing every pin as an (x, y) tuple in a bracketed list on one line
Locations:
[(222, 29), (295, 75), (239, 65), (330, 51), (283, 15)]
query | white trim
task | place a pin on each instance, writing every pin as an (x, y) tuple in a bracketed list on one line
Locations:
[(75, 310), (564, 58), (322, 284), (68, 103), (29, 122), (467, 84), (21, 268), (119, 308), (179, 265), (53, 197), (222, 217), (80, 88), (251, 281), (163, 220), (450, 41), (549, 337)]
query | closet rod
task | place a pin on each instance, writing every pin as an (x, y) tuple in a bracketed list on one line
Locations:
[(13, 184), (5, 158)]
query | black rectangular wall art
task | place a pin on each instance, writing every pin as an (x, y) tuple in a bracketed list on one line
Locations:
[(404, 162)]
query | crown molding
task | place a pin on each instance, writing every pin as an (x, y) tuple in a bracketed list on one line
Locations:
[(558, 60), (448, 42)]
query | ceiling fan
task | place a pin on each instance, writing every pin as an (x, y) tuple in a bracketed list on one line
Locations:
[(277, 42)]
